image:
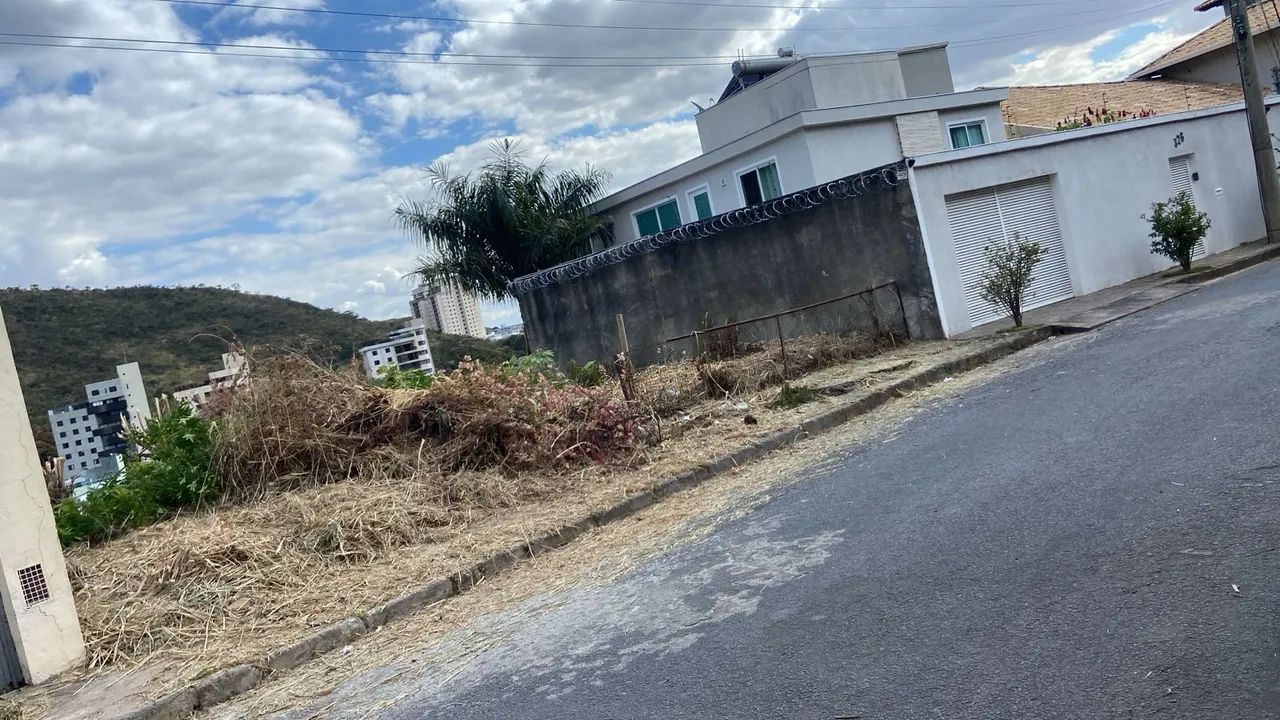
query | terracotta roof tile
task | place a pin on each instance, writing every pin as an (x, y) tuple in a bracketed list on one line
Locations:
[(1262, 17), (1044, 106)]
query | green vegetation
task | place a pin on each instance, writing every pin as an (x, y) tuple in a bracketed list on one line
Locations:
[(1009, 275), (591, 374), (397, 379), (63, 339), (1176, 228), (173, 471), (793, 396), (508, 220)]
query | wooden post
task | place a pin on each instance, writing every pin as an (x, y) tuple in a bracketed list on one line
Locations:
[(623, 345), (622, 363)]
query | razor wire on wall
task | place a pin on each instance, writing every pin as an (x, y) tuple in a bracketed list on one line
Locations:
[(843, 189)]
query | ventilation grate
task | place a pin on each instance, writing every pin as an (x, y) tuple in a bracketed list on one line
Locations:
[(34, 589)]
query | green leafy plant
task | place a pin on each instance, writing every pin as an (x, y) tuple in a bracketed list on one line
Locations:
[(590, 374), (397, 379), (1176, 228), (510, 219), (171, 470), (540, 365), (1010, 272), (1100, 116), (793, 396)]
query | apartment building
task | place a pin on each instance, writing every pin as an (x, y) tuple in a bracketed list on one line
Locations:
[(90, 434), (404, 349), (447, 308), (199, 394)]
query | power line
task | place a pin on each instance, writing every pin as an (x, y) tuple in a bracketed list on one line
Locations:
[(503, 61), (950, 6), (572, 26), (365, 51)]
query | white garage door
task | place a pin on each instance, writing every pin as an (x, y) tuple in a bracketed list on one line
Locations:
[(996, 215)]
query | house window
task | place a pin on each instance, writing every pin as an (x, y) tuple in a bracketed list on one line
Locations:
[(968, 134), (59, 423), (62, 434), (72, 421), (79, 443), (700, 200), (760, 183), (96, 393), (664, 216), (111, 389)]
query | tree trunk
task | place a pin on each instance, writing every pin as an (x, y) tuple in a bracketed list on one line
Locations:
[(1017, 317)]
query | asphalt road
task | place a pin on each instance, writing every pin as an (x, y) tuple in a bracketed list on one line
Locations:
[(1093, 536)]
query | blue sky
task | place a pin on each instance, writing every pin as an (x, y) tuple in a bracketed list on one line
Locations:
[(280, 174)]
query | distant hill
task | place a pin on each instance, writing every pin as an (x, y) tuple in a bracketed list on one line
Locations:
[(63, 339)]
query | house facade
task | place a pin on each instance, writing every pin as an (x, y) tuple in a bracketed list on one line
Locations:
[(790, 123), (1210, 56), (404, 349), (89, 434)]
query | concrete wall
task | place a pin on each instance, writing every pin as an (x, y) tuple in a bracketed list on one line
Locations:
[(856, 80), (1104, 179), (840, 150), (785, 93), (47, 635), (839, 247), (926, 72)]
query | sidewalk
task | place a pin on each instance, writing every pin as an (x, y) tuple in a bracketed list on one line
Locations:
[(1086, 312)]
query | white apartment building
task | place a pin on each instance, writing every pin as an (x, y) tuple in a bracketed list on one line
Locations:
[(89, 435), (199, 394), (404, 349), (447, 308)]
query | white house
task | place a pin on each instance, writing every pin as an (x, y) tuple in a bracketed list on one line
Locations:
[(793, 122), (199, 394), (404, 349)]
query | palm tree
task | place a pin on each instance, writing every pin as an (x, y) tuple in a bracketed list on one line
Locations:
[(507, 221)]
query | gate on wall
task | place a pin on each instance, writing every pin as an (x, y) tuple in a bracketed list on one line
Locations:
[(10, 669), (996, 215), (1180, 173)]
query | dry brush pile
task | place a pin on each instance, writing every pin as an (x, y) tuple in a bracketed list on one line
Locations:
[(322, 471)]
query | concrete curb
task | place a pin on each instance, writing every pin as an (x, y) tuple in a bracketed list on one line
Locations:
[(1233, 267), (232, 681)]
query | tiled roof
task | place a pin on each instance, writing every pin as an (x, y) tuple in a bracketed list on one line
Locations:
[(1262, 17), (1045, 106)]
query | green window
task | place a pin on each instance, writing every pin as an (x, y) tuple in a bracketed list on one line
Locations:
[(761, 184), (657, 219), (967, 135), (702, 204)]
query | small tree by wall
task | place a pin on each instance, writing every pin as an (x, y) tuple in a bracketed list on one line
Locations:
[(1176, 228), (1009, 275)]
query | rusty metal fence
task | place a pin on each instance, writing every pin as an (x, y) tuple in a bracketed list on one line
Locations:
[(876, 311)]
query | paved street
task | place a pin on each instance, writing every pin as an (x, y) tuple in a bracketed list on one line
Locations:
[(1093, 536)]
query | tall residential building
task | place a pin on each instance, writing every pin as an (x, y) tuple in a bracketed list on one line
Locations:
[(199, 394), (404, 349), (447, 308), (89, 435)]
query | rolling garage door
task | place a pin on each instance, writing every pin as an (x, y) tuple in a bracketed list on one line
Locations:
[(995, 215)]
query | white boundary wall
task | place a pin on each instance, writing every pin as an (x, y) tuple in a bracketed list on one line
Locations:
[(1104, 179)]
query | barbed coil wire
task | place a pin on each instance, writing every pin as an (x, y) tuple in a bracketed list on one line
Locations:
[(853, 186)]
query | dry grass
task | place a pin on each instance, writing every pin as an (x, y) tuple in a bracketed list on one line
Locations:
[(351, 522)]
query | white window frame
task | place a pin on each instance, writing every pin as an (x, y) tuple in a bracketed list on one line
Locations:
[(635, 222), (737, 178), (693, 208), (986, 135)]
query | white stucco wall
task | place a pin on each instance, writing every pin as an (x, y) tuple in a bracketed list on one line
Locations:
[(47, 635), (1104, 179), (786, 93), (926, 72), (989, 114), (790, 152), (838, 151)]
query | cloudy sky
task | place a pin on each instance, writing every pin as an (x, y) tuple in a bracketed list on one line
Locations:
[(279, 174)]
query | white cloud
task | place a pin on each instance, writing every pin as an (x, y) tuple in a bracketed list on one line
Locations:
[(119, 168)]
